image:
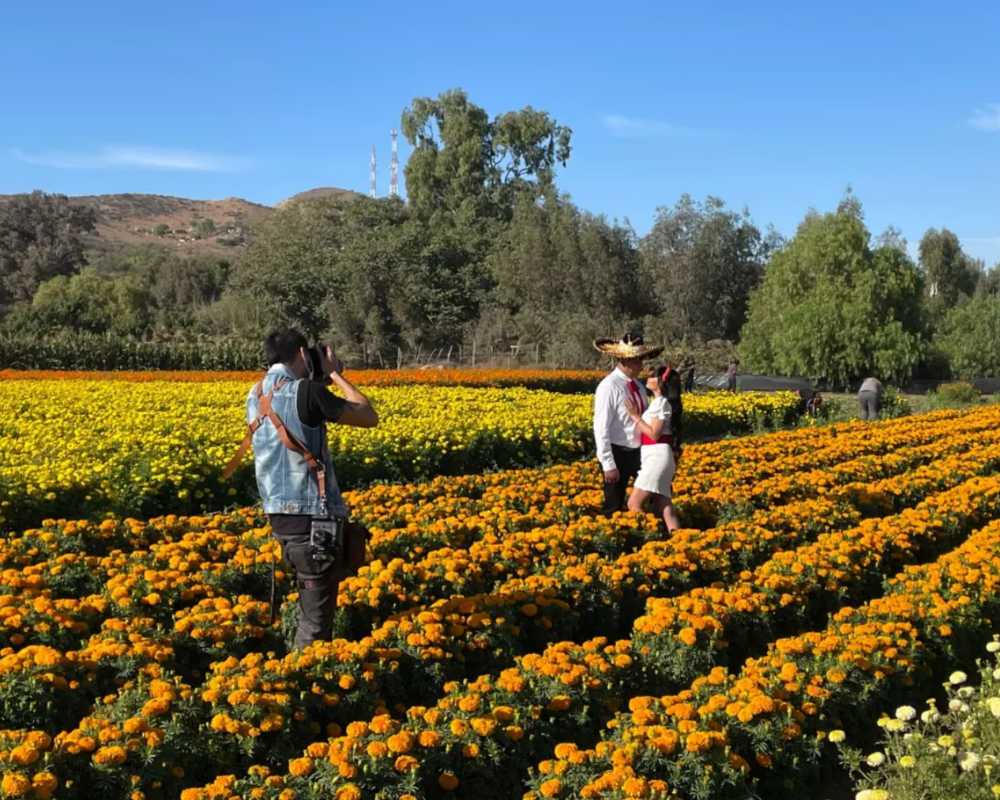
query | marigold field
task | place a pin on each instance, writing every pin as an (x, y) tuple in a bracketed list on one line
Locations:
[(77, 446), (507, 641)]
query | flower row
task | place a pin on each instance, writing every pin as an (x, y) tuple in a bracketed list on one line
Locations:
[(142, 448)]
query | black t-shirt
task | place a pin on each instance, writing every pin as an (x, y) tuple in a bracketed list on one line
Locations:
[(316, 405)]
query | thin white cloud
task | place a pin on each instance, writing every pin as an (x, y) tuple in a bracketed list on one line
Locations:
[(986, 118), (151, 158), (639, 128)]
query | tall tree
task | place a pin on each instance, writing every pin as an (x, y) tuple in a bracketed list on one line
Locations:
[(41, 236), (562, 275), (701, 261), (950, 275), (832, 307), (969, 336), (466, 167)]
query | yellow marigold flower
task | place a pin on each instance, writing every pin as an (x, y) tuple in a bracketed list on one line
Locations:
[(551, 787), (405, 763), (110, 756), (14, 784), (300, 766)]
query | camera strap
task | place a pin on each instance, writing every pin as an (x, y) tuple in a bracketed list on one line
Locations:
[(265, 410)]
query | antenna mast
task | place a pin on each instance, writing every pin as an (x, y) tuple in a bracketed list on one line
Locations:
[(394, 168), (371, 187)]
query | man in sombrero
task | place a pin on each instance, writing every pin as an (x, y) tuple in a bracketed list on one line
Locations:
[(614, 431)]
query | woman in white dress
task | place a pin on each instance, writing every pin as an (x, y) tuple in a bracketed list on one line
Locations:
[(660, 446)]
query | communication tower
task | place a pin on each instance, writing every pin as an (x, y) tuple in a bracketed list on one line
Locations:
[(394, 168), (371, 187)]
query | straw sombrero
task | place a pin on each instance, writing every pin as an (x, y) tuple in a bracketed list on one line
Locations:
[(627, 347)]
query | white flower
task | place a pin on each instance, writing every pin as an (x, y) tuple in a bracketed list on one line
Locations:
[(957, 677), (996, 674), (993, 646), (966, 691), (875, 759), (994, 705), (895, 725), (929, 716), (957, 705), (969, 761), (906, 713)]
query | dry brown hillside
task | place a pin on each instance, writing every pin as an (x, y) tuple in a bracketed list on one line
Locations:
[(204, 227)]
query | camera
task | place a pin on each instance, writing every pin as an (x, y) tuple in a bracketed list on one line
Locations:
[(314, 355), (326, 540)]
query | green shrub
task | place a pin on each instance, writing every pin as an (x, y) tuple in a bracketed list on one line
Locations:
[(957, 392), (894, 404), (946, 751)]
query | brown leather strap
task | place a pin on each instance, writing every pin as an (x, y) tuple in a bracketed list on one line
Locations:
[(234, 462), (266, 411)]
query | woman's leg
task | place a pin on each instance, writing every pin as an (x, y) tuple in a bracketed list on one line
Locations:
[(670, 516), (636, 499)]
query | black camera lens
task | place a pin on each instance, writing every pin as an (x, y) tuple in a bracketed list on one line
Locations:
[(315, 362)]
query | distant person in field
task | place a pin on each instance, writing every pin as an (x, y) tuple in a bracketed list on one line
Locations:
[(615, 432), (287, 414), (870, 398), (731, 371), (689, 377), (659, 428)]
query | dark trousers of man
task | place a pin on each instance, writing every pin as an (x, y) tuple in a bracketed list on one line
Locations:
[(317, 588), (869, 403), (628, 460)]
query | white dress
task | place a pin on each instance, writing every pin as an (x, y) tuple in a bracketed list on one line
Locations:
[(658, 466)]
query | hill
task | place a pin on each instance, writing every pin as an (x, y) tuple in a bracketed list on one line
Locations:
[(194, 227)]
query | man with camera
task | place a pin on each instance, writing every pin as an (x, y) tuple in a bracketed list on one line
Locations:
[(287, 415)]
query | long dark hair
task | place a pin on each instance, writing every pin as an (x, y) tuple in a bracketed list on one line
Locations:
[(671, 387)]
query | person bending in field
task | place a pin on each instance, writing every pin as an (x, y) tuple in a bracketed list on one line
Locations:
[(287, 478), (659, 429)]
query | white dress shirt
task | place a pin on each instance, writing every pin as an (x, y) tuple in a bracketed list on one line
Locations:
[(612, 424)]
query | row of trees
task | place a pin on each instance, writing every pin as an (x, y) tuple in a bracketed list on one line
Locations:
[(488, 253)]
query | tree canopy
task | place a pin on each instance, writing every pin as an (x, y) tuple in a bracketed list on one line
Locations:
[(699, 263), (949, 274), (832, 307), (41, 236), (970, 337), (466, 168)]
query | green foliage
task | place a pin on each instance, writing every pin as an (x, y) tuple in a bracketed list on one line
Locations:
[(466, 168), (950, 274), (700, 263), (936, 752), (559, 274), (89, 351), (957, 393), (894, 404), (831, 307), (41, 237), (419, 285), (969, 335), (202, 228)]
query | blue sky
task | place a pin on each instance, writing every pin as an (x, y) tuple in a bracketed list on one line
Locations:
[(773, 106)]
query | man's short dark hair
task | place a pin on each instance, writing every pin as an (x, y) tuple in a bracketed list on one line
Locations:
[(283, 346)]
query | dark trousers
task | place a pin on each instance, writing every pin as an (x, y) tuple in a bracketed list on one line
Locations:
[(869, 403), (627, 460), (317, 588)]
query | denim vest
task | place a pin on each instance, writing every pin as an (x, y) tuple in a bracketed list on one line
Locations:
[(284, 480)]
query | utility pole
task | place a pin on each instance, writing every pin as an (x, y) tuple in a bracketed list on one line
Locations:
[(394, 168)]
